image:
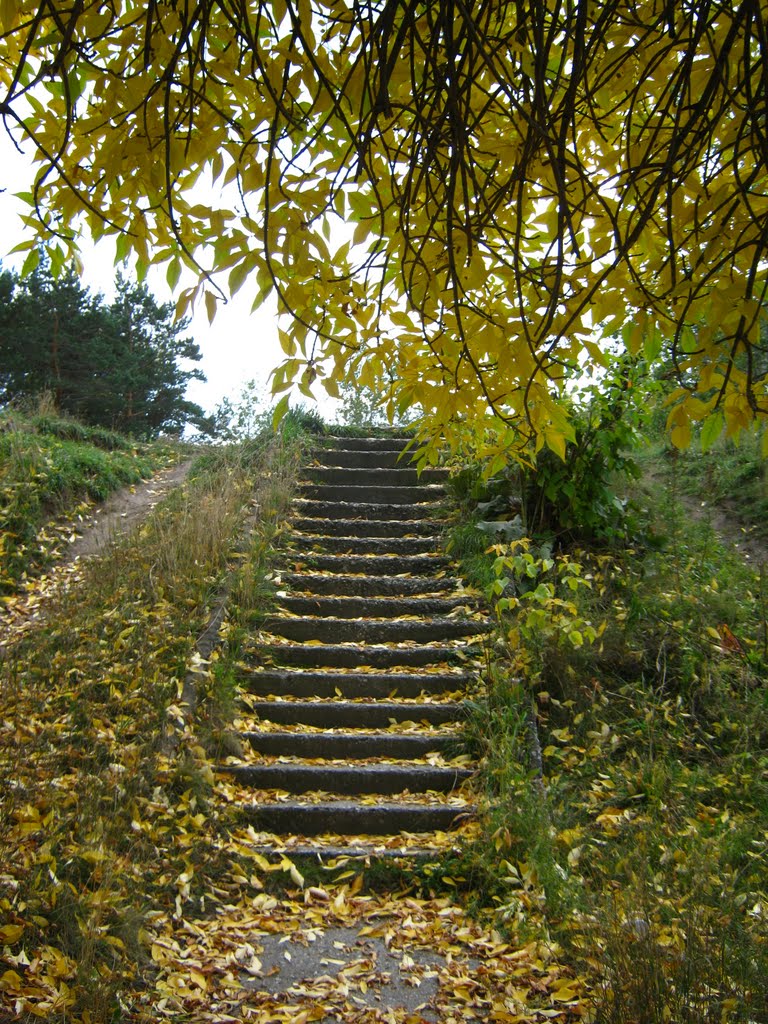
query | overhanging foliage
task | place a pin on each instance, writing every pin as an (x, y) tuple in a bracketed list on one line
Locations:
[(521, 180)]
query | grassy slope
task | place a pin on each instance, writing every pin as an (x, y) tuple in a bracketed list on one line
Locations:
[(636, 841), (51, 468), (627, 779), (731, 477), (103, 823)]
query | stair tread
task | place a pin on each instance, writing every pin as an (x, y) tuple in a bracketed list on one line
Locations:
[(421, 730), (330, 847), (379, 475), (367, 565), (302, 627), (346, 779), (377, 510), (375, 607), (364, 700), (320, 673), (343, 745), (374, 441), (319, 799), (384, 493), (432, 759), (365, 587), (355, 655), (364, 710), (361, 585), (332, 713), (349, 563), (368, 527), (385, 618), (319, 684), (332, 543), (352, 817)]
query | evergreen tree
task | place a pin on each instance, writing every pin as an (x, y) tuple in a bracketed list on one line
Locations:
[(117, 365)]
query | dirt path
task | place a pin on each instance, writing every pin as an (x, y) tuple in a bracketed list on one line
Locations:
[(124, 510), (121, 513)]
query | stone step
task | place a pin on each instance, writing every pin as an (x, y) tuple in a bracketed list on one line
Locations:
[(369, 591), (385, 779), (349, 817), (347, 476), (333, 746), (371, 607), (356, 655), (369, 527), (361, 586), (369, 850), (368, 444), (310, 542), (362, 510), (373, 493), (363, 458), (266, 682), (347, 714), (371, 565), (373, 631)]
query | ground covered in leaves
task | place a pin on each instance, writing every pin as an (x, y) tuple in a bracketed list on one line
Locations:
[(125, 889), (617, 874)]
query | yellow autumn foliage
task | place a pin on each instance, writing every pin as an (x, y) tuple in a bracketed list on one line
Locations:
[(456, 205)]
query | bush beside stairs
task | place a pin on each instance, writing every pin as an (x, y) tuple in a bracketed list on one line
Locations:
[(353, 706)]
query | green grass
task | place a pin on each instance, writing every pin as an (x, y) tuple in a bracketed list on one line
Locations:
[(626, 781), (468, 545), (68, 429), (730, 476), (106, 786), (50, 468)]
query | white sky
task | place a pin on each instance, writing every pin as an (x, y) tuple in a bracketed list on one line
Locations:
[(238, 347)]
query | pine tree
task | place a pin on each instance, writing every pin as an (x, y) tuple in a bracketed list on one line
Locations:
[(117, 365)]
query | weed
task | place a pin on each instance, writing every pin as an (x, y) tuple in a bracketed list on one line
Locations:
[(101, 828), (689, 963), (249, 589), (468, 546)]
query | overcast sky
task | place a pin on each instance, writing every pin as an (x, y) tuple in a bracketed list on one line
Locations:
[(237, 348)]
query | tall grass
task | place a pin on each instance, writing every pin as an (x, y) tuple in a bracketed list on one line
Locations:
[(626, 781), (101, 817)]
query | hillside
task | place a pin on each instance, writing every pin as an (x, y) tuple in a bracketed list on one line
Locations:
[(53, 470), (614, 870)]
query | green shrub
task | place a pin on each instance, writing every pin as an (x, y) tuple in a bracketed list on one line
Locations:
[(576, 498)]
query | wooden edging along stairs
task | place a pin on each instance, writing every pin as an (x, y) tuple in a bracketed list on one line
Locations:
[(352, 709)]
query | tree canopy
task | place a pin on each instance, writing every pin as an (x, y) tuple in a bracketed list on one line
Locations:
[(115, 365), (457, 204)]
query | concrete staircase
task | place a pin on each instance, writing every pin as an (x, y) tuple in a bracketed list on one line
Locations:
[(352, 708)]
